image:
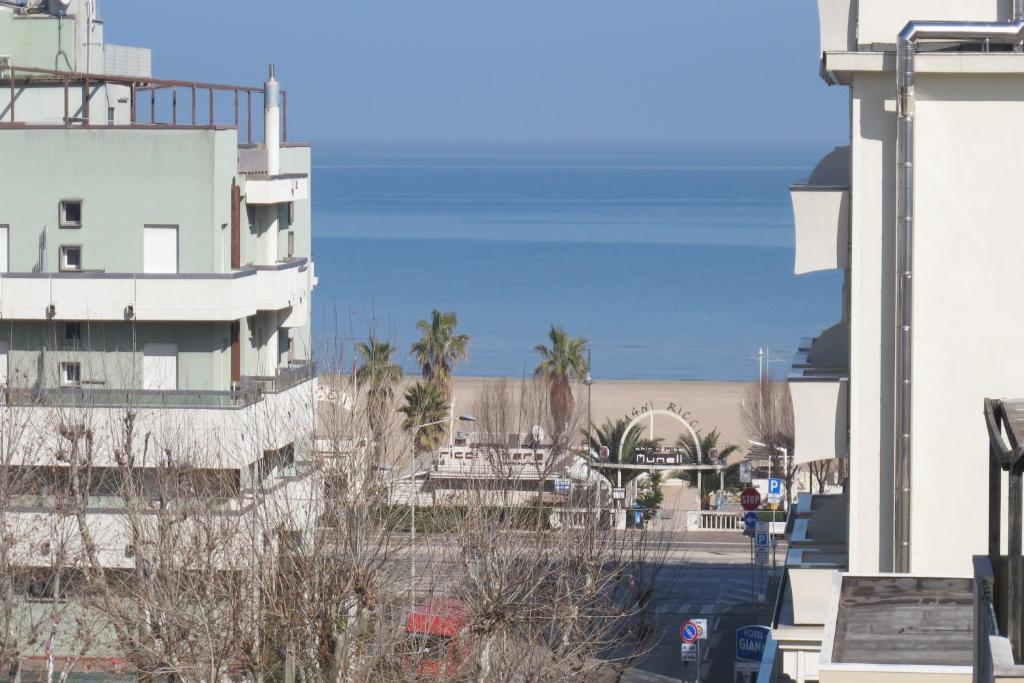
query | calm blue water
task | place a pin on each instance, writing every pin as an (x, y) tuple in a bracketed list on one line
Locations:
[(676, 264)]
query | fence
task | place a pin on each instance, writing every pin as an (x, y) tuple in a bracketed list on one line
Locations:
[(713, 520)]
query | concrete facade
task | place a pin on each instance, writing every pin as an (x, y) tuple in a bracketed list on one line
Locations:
[(966, 104)]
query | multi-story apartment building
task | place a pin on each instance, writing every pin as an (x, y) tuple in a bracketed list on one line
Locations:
[(155, 260), (921, 210)]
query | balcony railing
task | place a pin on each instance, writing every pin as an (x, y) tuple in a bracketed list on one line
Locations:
[(248, 391), (161, 105)]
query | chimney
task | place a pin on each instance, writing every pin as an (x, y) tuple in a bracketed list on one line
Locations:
[(272, 123)]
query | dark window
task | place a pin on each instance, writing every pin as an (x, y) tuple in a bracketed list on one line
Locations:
[(72, 333), (70, 258), (71, 213)]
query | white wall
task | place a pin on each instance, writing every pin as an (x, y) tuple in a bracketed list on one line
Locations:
[(871, 345), (968, 283)]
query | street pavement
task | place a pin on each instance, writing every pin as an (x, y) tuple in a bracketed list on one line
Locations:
[(706, 575)]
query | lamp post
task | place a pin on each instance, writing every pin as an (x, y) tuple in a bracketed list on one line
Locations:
[(412, 499), (588, 381)]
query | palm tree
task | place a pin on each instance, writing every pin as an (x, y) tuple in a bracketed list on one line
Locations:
[(707, 442), (439, 349), (425, 404), (564, 362), (610, 435), (379, 372)]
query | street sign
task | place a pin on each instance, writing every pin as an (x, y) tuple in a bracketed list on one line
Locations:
[(750, 519), (761, 539), (746, 473), (689, 632), (688, 652), (750, 642), (775, 489), (750, 499), (563, 485), (761, 557), (702, 628), (618, 494)]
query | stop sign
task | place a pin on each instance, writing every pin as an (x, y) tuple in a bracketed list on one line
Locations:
[(750, 499)]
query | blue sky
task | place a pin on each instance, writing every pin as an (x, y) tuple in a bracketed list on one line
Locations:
[(520, 72)]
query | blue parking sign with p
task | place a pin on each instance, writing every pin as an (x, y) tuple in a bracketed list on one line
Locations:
[(774, 487)]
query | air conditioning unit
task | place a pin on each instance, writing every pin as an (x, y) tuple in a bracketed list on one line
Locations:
[(5, 66)]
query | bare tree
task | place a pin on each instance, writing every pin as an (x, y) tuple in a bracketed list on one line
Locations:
[(768, 417)]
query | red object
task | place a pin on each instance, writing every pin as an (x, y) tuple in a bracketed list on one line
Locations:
[(440, 617), (689, 632), (750, 499), (436, 629)]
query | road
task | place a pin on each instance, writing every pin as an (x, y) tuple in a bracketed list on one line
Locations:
[(706, 575)]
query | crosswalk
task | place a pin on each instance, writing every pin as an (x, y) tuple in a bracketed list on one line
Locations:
[(708, 597)]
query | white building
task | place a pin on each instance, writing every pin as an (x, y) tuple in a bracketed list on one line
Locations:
[(921, 209), (155, 262)]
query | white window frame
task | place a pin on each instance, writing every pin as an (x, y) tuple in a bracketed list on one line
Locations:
[(65, 366), (64, 267)]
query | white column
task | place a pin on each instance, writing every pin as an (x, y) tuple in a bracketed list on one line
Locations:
[(272, 123)]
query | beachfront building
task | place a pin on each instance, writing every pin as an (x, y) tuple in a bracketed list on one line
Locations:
[(920, 209), (155, 281)]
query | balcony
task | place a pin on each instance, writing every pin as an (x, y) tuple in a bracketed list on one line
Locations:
[(819, 383), (821, 212), (278, 189), (852, 25), (248, 390), (898, 628), (147, 298), (837, 22)]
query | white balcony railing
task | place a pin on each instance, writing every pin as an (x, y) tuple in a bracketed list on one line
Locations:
[(193, 297), (279, 189), (819, 383), (821, 212)]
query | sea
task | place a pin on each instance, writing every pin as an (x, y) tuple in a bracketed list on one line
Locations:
[(676, 263)]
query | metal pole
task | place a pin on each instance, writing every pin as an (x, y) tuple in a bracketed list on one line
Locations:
[(174, 106), (211, 107), (193, 105), (412, 506), (152, 105), (1015, 589), (14, 92)]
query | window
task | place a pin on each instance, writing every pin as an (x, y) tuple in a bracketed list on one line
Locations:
[(291, 213), (70, 258), (291, 243), (72, 333), (71, 213), (71, 374)]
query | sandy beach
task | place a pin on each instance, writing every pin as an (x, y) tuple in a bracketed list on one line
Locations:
[(709, 405)]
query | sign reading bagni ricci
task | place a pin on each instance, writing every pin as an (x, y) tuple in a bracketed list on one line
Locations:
[(648, 407)]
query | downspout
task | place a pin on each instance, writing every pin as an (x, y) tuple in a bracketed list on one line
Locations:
[(906, 48)]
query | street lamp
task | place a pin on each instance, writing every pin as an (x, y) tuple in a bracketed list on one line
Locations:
[(412, 499), (588, 381)]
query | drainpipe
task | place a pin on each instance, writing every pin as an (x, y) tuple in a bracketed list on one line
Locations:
[(957, 31)]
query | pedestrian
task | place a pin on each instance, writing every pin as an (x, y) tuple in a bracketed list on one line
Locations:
[(712, 501)]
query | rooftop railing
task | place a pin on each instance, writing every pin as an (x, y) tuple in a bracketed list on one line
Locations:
[(161, 93)]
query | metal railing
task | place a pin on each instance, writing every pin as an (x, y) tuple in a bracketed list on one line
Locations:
[(194, 90), (247, 391)]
